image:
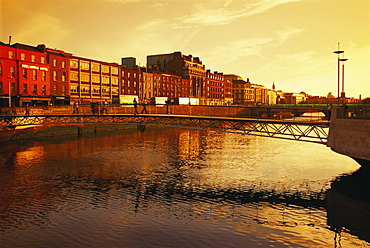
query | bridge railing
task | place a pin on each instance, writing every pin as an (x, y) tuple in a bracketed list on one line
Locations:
[(352, 112), (264, 112)]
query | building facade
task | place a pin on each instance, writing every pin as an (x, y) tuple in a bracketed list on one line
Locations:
[(25, 78), (93, 81)]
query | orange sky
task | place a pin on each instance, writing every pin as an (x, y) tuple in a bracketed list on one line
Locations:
[(290, 42)]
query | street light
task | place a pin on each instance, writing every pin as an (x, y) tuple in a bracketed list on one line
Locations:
[(10, 93), (343, 94), (339, 52)]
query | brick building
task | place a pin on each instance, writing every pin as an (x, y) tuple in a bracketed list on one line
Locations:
[(185, 66), (93, 81), (24, 75)]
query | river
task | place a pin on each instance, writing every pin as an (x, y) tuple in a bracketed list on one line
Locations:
[(170, 187)]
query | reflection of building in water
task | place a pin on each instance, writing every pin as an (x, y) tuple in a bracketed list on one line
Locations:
[(348, 204)]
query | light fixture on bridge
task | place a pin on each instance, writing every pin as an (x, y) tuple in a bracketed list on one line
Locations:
[(339, 52)]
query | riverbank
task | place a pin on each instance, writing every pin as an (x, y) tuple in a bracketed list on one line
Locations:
[(63, 131)]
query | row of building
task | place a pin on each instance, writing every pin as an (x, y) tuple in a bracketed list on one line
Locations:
[(39, 75)]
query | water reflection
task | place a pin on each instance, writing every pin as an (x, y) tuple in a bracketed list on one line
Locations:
[(170, 187), (349, 204)]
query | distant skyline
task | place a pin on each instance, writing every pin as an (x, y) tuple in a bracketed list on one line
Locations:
[(289, 42)]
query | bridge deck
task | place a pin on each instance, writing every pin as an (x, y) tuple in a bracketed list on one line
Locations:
[(301, 129)]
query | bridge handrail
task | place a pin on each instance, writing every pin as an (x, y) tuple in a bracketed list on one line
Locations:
[(271, 111)]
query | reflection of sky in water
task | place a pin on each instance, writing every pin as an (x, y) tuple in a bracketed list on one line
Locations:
[(168, 187)]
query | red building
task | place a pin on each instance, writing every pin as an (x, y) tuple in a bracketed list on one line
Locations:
[(59, 62), (7, 74), (33, 75), (25, 72)]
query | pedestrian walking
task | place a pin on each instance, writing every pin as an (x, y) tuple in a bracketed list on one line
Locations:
[(105, 107), (27, 110), (135, 107), (144, 106), (75, 108)]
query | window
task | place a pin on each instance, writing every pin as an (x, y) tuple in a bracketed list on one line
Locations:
[(63, 64), (105, 69), (1, 70), (25, 89), (55, 89), (12, 71), (42, 60), (85, 77), (74, 76), (55, 75), (64, 90), (11, 54), (74, 88), (24, 73), (95, 67), (74, 64), (33, 58), (63, 76), (12, 89), (44, 89), (1, 87), (43, 75), (85, 65), (55, 63), (95, 78), (34, 74), (23, 56), (35, 89), (115, 70)]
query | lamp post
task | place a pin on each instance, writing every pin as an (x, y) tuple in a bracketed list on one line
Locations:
[(343, 94), (10, 93), (339, 52)]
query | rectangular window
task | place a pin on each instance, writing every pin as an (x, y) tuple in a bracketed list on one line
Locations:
[(74, 64), (105, 69), (25, 89), (73, 76), (74, 88), (23, 56), (34, 74), (42, 60), (55, 63), (63, 76), (115, 70), (55, 89), (35, 89), (95, 67), (12, 89), (44, 90), (63, 64), (55, 75), (43, 75), (33, 58), (1, 70), (11, 54), (85, 65), (64, 90), (1, 87), (12, 71), (24, 73)]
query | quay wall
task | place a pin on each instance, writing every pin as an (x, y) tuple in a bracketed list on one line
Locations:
[(349, 136)]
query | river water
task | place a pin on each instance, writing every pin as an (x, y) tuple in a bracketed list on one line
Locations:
[(169, 187)]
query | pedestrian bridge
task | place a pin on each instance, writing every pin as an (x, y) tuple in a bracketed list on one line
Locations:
[(303, 124)]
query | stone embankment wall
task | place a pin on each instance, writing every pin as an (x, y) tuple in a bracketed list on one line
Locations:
[(349, 136)]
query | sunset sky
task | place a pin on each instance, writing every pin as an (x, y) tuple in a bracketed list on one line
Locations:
[(289, 42)]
